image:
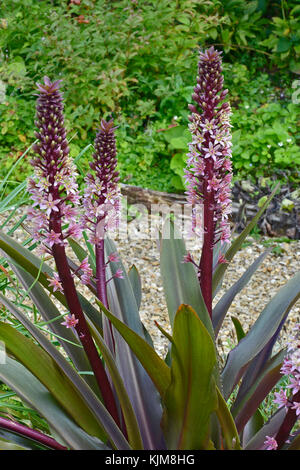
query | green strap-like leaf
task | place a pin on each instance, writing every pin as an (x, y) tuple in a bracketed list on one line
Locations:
[(238, 328), (142, 392), (191, 397), (136, 284), (31, 391), (51, 376), (88, 411), (49, 311), (229, 431)]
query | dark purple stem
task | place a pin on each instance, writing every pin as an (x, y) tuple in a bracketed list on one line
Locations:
[(31, 434), (82, 329), (102, 286), (206, 262), (101, 273)]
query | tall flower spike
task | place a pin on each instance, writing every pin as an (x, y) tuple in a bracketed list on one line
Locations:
[(53, 189), (54, 192), (208, 174), (102, 197)]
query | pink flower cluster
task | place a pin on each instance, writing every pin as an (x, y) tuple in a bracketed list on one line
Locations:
[(209, 169), (101, 197), (270, 443), (291, 368), (53, 188)]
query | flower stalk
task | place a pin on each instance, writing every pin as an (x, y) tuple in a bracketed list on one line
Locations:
[(208, 174), (31, 434), (55, 191), (101, 203)]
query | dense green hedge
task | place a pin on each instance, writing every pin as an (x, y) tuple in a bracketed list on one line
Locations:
[(137, 61)]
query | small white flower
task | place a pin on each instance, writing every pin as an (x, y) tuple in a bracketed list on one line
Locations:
[(280, 144)]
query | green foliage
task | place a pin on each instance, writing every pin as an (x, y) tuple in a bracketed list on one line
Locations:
[(137, 62)]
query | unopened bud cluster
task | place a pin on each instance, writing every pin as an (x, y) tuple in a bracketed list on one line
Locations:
[(209, 168), (101, 197), (53, 188)]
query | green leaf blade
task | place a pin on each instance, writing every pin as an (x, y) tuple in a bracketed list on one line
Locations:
[(191, 397)]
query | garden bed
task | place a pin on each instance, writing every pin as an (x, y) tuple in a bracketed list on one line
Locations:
[(143, 251)]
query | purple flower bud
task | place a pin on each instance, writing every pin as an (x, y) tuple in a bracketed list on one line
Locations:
[(208, 172), (53, 189), (101, 197), (211, 144)]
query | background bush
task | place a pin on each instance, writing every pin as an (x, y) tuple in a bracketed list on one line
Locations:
[(137, 61)]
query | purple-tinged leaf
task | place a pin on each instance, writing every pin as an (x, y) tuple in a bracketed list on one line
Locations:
[(256, 367), (179, 279), (254, 424), (139, 386), (132, 429), (288, 423), (269, 429), (237, 243), (224, 303), (247, 406), (260, 333), (152, 363), (136, 284), (35, 439)]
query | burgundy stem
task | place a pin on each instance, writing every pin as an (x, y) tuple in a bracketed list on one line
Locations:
[(82, 329), (31, 434), (206, 262), (288, 423), (102, 287), (101, 273)]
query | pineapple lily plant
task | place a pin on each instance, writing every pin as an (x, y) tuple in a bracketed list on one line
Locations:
[(105, 387)]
